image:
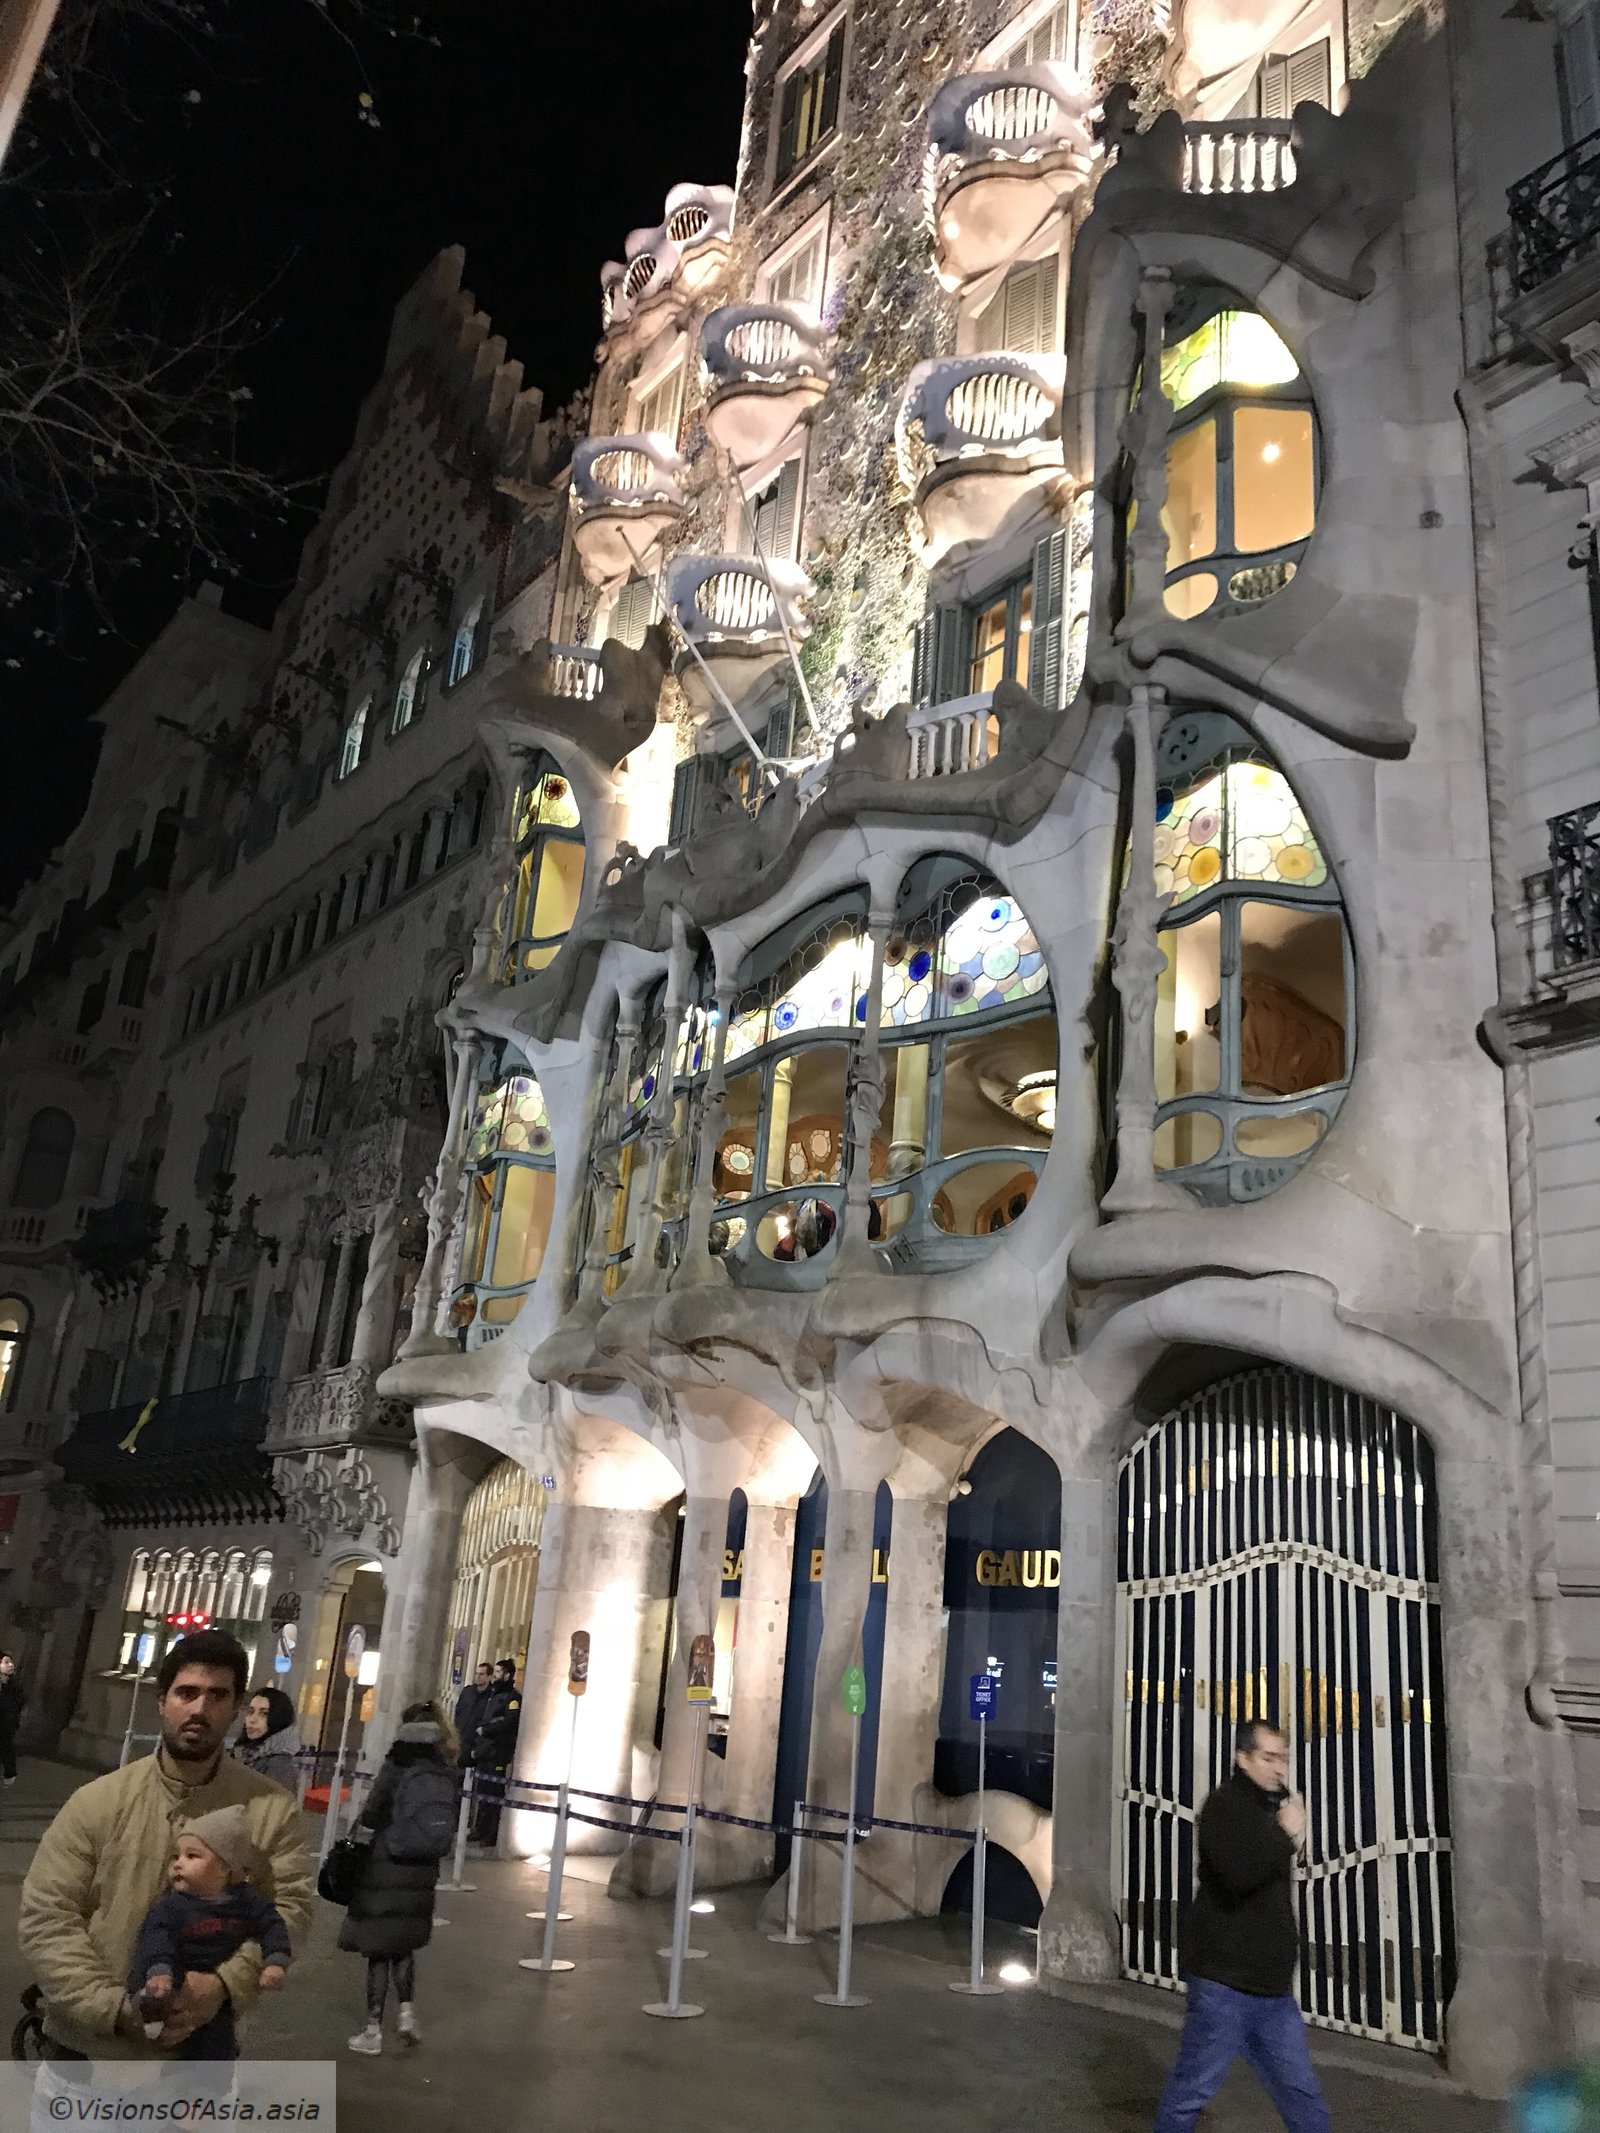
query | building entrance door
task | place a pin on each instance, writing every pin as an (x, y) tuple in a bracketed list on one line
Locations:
[(1278, 1558), (497, 1567)]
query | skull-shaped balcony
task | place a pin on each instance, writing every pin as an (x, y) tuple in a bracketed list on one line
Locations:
[(767, 366), (739, 618), (976, 436), (626, 497), (687, 254), (1004, 152)]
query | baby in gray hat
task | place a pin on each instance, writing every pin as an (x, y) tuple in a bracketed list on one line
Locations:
[(207, 1914)]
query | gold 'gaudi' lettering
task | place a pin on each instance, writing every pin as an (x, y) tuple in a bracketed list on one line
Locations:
[(1035, 1568), (732, 1567)]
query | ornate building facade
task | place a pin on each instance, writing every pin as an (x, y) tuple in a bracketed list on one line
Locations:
[(1005, 1090), (974, 1124)]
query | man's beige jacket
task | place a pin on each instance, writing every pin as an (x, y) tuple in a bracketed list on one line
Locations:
[(103, 1862)]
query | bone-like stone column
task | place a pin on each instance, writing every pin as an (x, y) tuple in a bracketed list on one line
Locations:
[(645, 1278), (744, 1785), (605, 1570), (913, 1685), (1078, 1937), (846, 1590), (652, 1865), (865, 1104), (416, 1601), (697, 1263), (1136, 966)]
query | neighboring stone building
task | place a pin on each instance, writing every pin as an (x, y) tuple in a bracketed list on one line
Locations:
[(1529, 160), (214, 1223), (1012, 1175)]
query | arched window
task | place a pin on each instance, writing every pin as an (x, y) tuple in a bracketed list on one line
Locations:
[(511, 1186), (206, 1582), (158, 1594), (255, 1598), (970, 1060), (408, 694), (46, 1155), (353, 745), (549, 877), (969, 1054), (1243, 469), (230, 1598), (464, 645), (1254, 1029), (15, 1318)]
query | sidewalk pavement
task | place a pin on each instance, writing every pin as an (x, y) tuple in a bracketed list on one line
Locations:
[(506, 2050)]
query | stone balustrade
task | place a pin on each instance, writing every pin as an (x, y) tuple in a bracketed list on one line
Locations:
[(575, 672), (1238, 156)]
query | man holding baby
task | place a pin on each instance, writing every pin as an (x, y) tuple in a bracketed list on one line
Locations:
[(184, 1859)]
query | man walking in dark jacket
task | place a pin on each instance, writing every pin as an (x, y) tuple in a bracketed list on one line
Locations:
[(1243, 1944), (11, 1701), (494, 1747), (470, 1707)]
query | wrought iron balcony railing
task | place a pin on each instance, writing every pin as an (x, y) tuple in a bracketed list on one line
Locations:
[(195, 1455), (1575, 886), (1555, 214)]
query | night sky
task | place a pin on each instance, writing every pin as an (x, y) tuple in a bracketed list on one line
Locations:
[(536, 133)]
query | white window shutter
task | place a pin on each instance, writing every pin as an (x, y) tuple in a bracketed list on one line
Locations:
[(1311, 75), (1272, 88), (785, 516)]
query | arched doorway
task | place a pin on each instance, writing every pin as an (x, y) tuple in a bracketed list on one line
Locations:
[(497, 1567), (352, 1599), (1278, 1558)]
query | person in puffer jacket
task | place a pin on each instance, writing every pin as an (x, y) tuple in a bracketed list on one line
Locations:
[(391, 1914)]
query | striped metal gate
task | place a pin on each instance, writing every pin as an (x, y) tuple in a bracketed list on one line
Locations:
[(1278, 1558)]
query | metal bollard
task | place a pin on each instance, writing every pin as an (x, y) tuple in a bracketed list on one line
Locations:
[(791, 1936), (841, 1995), (463, 1822), (547, 1959), (674, 2007)]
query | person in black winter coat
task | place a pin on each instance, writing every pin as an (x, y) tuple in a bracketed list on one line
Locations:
[(470, 1707), (391, 1913), (11, 1702), (1242, 1946), (494, 1747)]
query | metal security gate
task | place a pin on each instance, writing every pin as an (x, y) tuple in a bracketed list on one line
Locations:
[(1277, 1558)]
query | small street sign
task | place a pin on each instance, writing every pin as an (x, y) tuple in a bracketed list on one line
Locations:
[(354, 1645), (982, 1694), (855, 1691)]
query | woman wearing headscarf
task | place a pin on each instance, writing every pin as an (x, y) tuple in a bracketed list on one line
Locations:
[(269, 1742)]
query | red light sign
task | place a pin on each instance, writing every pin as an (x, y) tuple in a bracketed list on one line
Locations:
[(193, 1621)]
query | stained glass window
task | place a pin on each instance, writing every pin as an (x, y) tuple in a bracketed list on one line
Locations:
[(511, 1119), (548, 884), (1231, 348), (1237, 820), (990, 957), (823, 986), (546, 804)]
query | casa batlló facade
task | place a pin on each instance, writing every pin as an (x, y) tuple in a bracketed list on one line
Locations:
[(1002, 1108)]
